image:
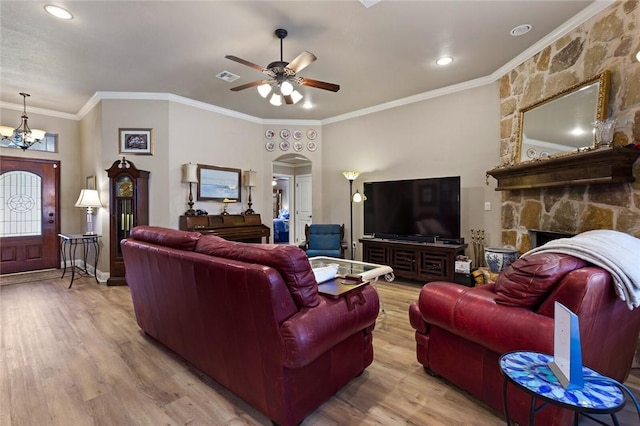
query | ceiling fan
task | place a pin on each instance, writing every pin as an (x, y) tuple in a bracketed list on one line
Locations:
[(282, 74)]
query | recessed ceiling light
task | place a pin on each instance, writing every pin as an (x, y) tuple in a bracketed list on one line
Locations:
[(58, 12), (307, 105), (445, 60), (638, 56), (520, 30)]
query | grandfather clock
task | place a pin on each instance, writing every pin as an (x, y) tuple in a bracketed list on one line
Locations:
[(128, 207)]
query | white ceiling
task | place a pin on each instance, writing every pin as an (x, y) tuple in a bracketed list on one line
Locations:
[(377, 55)]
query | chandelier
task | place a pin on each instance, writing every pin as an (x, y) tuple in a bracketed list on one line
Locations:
[(22, 136)]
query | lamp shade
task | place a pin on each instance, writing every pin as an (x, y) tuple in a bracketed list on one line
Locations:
[(88, 198), (351, 175), (264, 90), (276, 100), (358, 197), (189, 173), (249, 178), (6, 131)]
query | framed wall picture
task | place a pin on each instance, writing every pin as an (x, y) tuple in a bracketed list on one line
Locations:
[(136, 141), (91, 182), (218, 183)]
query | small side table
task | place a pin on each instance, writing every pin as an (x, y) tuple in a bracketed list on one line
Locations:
[(69, 243), (530, 372)]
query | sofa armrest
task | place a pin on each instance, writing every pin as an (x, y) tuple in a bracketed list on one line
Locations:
[(312, 331), (473, 314)]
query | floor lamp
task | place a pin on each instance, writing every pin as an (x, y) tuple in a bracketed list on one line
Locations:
[(351, 176)]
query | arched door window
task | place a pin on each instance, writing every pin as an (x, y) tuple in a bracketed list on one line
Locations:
[(20, 204)]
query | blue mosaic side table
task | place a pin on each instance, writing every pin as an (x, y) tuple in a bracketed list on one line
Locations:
[(530, 372)]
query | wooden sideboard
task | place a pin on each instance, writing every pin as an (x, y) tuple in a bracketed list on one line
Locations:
[(414, 260), (246, 228)]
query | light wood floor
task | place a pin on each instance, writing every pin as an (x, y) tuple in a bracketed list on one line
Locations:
[(77, 357)]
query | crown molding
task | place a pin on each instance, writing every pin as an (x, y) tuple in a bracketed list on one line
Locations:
[(466, 85), (36, 110)]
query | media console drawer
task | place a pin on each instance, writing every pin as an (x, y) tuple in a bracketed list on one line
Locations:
[(412, 260)]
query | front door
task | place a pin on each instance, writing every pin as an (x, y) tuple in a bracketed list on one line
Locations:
[(29, 214)]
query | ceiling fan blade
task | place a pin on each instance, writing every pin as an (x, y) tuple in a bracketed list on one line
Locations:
[(319, 84), (247, 63), (288, 99), (251, 84), (302, 61)]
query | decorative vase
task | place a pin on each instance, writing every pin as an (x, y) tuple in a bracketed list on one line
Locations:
[(604, 132), (498, 258)]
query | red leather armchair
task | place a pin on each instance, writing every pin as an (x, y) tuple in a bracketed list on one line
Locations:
[(249, 316), (461, 332)]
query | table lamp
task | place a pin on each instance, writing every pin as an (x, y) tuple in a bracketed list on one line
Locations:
[(89, 199), (249, 179), (190, 175)]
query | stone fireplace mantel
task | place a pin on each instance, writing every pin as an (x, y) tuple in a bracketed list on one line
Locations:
[(588, 168)]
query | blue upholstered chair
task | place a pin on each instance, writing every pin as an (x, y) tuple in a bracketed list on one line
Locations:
[(324, 240)]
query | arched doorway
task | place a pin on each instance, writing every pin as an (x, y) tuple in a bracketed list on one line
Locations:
[(291, 197)]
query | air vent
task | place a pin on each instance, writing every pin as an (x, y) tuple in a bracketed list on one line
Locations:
[(369, 3), (227, 76)]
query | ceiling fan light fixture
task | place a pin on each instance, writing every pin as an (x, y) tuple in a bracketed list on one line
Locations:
[(286, 88), (276, 100), (296, 96), (264, 90)]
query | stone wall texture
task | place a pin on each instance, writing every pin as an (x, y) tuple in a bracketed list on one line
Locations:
[(608, 41)]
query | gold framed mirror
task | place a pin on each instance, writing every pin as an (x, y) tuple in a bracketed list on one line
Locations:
[(563, 123)]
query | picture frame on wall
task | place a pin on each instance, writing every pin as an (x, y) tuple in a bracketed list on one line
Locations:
[(91, 182), (218, 183), (136, 141)]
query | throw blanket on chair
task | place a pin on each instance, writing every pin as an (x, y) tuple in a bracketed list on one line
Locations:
[(616, 252)]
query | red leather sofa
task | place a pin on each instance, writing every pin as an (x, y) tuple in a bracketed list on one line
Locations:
[(249, 316), (461, 332)]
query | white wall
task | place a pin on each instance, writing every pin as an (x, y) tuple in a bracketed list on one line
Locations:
[(452, 135)]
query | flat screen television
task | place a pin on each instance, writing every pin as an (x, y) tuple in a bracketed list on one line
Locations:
[(413, 209)]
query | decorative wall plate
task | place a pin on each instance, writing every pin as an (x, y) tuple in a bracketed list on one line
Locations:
[(269, 133), (285, 133), (297, 146), (284, 145), (297, 134), (311, 134), (312, 146), (270, 146)]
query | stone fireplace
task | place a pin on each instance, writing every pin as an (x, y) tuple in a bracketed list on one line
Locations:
[(608, 41)]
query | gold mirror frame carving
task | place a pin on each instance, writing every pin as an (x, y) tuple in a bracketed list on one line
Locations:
[(600, 114)]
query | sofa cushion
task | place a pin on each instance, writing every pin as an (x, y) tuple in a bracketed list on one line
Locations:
[(290, 261), (528, 280), (181, 240)]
